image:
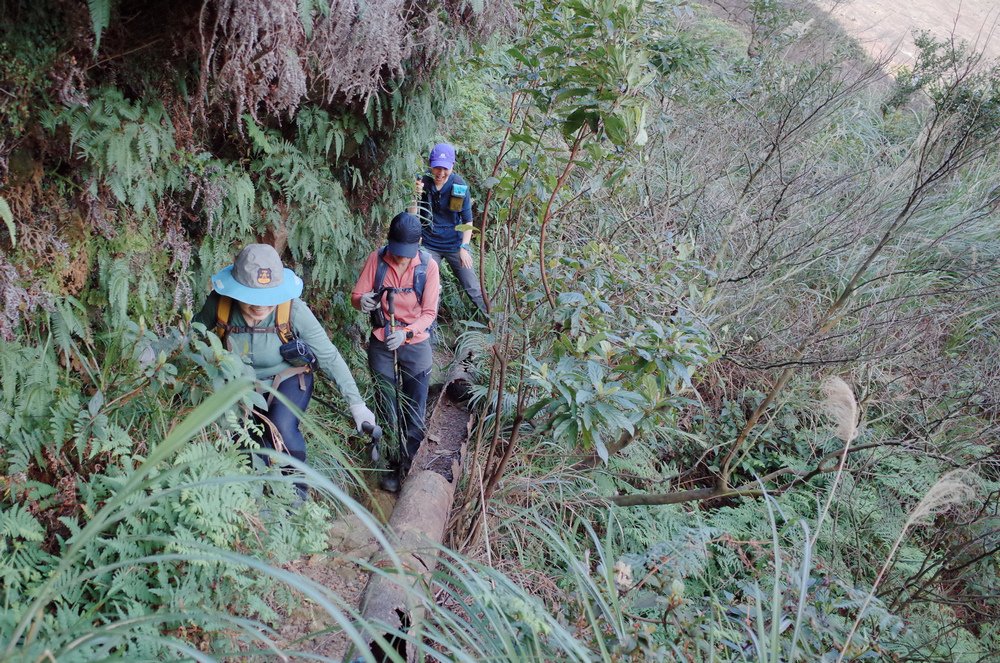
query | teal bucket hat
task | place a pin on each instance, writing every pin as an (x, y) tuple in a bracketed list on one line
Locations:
[(257, 277)]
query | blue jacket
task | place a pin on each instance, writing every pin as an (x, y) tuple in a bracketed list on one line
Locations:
[(439, 222)]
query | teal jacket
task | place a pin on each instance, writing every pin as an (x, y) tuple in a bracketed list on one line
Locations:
[(260, 351)]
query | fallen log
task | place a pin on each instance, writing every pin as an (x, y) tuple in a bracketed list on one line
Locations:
[(417, 525)]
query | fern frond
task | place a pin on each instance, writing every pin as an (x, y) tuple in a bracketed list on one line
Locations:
[(100, 19)]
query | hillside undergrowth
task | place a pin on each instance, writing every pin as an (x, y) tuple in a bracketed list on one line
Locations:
[(736, 398)]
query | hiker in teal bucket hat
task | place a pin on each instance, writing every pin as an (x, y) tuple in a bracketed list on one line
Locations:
[(254, 307), (258, 278)]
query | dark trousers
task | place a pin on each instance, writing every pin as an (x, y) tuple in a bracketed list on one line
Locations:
[(415, 371), (466, 276), (298, 392)]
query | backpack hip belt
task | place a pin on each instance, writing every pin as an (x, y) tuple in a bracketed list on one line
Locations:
[(292, 371)]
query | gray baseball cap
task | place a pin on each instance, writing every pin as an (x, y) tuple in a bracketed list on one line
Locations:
[(257, 277)]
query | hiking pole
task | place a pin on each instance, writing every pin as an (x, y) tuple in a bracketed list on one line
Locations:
[(423, 212), (390, 298)]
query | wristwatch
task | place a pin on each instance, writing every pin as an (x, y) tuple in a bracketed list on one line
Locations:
[(467, 247)]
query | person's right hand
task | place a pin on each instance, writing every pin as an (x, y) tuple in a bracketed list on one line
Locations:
[(369, 302), (362, 415), (418, 186), (395, 339)]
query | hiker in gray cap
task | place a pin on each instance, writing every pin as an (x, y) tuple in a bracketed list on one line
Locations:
[(276, 334)]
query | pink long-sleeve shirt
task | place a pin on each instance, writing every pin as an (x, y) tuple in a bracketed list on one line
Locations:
[(409, 312)]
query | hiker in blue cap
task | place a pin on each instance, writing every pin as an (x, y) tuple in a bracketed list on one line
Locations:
[(276, 335), (444, 202)]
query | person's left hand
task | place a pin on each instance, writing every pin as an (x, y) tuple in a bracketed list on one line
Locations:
[(395, 339), (362, 415), (465, 257)]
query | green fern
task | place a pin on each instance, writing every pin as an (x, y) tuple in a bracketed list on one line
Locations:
[(100, 19), (23, 563), (118, 284)]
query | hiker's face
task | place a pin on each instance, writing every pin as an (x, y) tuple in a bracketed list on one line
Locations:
[(255, 313), (440, 175), (398, 261)]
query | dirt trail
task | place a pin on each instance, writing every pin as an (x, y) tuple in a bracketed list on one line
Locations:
[(337, 570), (307, 627), (883, 25)]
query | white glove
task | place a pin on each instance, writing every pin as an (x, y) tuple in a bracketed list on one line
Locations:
[(369, 302), (395, 339), (362, 415)]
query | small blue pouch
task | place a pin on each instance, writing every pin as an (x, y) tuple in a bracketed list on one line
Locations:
[(458, 192)]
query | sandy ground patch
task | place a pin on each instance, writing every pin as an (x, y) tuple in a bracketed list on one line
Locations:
[(883, 25)]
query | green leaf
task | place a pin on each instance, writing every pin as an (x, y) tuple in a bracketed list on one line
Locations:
[(571, 299), (8, 218), (614, 126), (572, 92), (462, 227), (95, 403), (305, 16), (641, 136), (519, 56), (119, 285), (575, 120), (602, 450), (100, 18), (595, 373), (260, 139)]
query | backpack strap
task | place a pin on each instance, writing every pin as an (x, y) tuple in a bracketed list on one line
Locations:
[(283, 321), (222, 313), (420, 275), (380, 269)]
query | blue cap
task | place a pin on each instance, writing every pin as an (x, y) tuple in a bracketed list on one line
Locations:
[(443, 156), (258, 278), (404, 235)]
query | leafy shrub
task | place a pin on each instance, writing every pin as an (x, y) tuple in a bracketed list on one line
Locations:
[(116, 516)]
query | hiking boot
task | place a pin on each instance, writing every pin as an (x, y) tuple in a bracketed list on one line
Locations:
[(390, 480)]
